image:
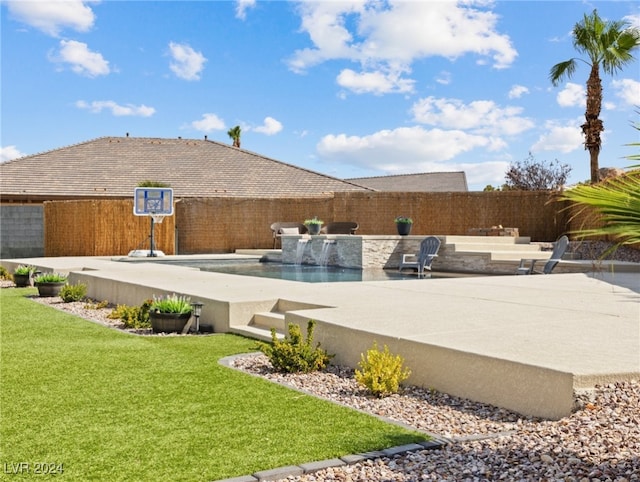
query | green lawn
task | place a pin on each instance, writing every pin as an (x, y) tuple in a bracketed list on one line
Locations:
[(113, 406)]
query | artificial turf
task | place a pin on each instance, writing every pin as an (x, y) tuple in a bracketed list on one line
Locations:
[(87, 402)]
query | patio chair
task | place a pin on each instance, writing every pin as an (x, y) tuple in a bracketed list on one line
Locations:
[(278, 229), (527, 266), (422, 260), (340, 227)]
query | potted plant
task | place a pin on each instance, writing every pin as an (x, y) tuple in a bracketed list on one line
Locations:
[(50, 284), (314, 225), (404, 223), (169, 313), (23, 275)]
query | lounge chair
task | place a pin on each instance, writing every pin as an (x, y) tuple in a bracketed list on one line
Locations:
[(422, 260), (278, 229), (527, 266), (340, 227)]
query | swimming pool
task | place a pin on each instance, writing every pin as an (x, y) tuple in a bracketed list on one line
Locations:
[(304, 273)]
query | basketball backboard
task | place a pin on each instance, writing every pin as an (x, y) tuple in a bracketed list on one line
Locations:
[(150, 201)]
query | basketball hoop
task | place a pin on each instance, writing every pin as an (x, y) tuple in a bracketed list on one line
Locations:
[(157, 218)]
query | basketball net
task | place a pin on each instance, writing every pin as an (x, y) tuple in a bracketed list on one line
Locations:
[(157, 218)]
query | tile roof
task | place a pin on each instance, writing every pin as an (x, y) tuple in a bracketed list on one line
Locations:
[(424, 182), (113, 166)]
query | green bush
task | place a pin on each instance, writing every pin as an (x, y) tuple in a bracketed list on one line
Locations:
[(133, 316), (51, 278), (96, 305), (381, 372), (76, 292), (293, 354), (171, 304), (25, 269), (4, 274)]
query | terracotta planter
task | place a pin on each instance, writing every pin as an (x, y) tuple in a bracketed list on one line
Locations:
[(168, 322), (404, 229), (50, 289)]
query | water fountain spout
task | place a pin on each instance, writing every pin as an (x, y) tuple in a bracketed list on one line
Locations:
[(302, 244), (326, 251)]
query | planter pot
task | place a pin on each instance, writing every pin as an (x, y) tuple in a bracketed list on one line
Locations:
[(50, 289), (314, 228), (22, 280), (404, 228), (168, 322)]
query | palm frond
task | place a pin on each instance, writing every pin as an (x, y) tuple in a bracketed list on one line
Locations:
[(616, 204)]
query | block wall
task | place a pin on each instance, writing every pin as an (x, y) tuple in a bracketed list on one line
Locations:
[(21, 231)]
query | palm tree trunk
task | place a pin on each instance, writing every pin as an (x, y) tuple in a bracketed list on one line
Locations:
[(593, 125)]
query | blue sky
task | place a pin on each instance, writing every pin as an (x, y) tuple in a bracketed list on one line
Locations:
[(349, 89)]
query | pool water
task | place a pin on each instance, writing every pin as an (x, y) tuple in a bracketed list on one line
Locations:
[(314, 274)]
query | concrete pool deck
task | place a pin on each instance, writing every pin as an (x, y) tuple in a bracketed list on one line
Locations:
[(520, 342)]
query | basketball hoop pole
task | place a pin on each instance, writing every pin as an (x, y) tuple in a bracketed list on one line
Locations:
[(151, 253)]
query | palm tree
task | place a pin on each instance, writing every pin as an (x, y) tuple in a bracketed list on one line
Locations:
[(607, 44), (234, 133)]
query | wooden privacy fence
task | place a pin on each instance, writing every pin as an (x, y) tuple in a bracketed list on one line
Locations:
[(101, 228), (216, 225)]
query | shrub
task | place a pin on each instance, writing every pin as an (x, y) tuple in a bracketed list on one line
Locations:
[(96, 305), (171, 304), (25, 269), (381, 372), (76, 292), (293, 354), (4, 274), (51, 278), (133, 316)]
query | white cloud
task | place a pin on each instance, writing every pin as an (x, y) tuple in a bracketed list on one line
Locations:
[(187, 64), (389, 36), (414, 149), (628, 90), (480, 116), (444, 78), (52, 16), (374, 82), (270, 127), (563, 138), (573, 95), (242, 6), (208, 123), (405, 149), (82, 61), (98, 106), (517, 91), (8, 153)]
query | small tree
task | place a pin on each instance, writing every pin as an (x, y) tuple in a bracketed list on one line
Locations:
[(531, 175), (234, 133)]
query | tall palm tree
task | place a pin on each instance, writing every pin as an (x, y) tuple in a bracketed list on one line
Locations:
[(234, 134), (607, 44)]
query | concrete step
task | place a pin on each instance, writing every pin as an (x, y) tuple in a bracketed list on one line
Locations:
[(488, 247), (253, 331), (268, 320), (518, 255), (487, 239)]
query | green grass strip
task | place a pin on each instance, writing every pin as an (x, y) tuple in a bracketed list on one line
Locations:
[(112, 406)]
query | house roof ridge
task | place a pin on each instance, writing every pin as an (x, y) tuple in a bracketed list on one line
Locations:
[(407, 174), (47, 151)]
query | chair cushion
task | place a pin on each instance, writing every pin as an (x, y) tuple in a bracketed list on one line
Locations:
[(289, 231)]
